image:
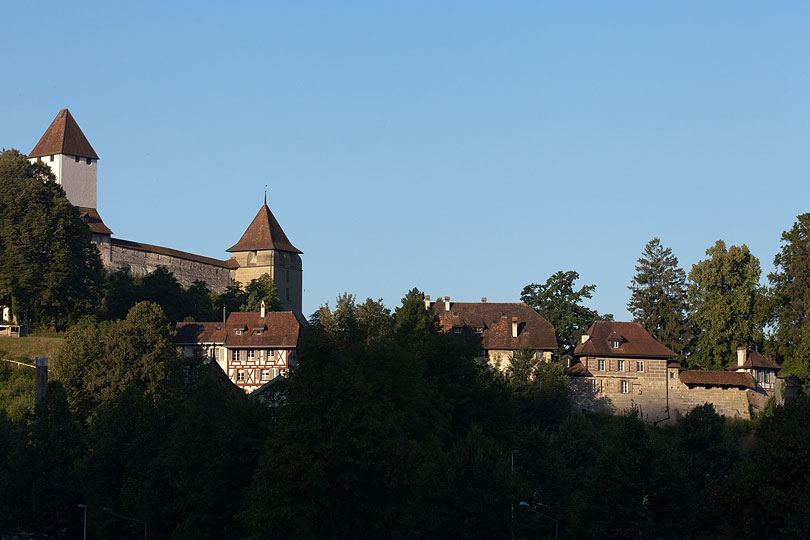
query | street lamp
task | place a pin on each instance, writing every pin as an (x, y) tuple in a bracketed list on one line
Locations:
[(85, 520), (528, 507), (109, 510)]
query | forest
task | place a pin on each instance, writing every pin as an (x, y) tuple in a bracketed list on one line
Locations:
[(388, 429)]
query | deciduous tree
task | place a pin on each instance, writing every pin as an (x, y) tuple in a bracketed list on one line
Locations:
[(726, 304), (50, 271), (561, 305), (790, 285)]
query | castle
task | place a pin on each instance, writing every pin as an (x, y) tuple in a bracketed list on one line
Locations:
[(262, 249)]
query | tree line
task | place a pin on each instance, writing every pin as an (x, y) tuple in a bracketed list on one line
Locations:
[(388, 428)]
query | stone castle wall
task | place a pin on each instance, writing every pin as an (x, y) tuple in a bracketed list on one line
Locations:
[(186, 271)]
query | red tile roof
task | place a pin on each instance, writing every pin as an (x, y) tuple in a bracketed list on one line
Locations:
[(495, 321), (717, 378), (172, 253), (635, 341), (264, 232), (63, 136), (93, 220), (200, 332), (755, 360), (278, 329)]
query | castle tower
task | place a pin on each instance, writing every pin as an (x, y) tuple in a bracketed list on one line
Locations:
[(265, 249), (71, 158)]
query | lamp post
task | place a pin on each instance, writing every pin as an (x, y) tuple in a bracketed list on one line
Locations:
[(109, 510), (526, 505), (84, 506)]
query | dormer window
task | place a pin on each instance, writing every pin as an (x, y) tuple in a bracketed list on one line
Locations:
[(615, 344), (238, 331), (478, 330), (258, 331)]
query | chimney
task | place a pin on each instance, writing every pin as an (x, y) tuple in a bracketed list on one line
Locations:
[(585, 337), (447, 303), (427, 301), (742, 356), (483, 299), (263, 312), (40, 379), (514, 326)]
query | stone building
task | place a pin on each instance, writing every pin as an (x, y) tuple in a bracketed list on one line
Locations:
[(619, 365), (263, 248), (501, 328), (252, 348)]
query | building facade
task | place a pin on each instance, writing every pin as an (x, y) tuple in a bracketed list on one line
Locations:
[(619, 365), (251, 348), (501, 328)]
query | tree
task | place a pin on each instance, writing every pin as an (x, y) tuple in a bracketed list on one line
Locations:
[(50, 271), (99, 361), (560, 304), (658, 297), (726, 304), (412, 322), (790, 286), (261, 289)]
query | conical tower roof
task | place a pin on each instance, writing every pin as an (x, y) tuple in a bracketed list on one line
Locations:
[(64, 136), (264, 232)]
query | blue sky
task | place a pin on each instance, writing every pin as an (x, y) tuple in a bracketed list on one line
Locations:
[(466, 148)]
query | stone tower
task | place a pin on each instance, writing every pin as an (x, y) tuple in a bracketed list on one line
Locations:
[(265, 249), (71, 158)]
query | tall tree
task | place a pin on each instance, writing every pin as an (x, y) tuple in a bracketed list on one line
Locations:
[(658, 297), (790, 285), (561, 305), (50, 271), (726, 304)]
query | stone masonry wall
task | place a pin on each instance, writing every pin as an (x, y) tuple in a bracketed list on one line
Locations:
[(186, 271), (657, 392)]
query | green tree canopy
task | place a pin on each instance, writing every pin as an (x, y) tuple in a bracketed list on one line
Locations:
[(790, 285), (658, 297), (561, 305), (726, 304), (50, 271), (261, 288)]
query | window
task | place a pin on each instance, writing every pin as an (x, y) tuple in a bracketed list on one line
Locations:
[(568, 362), (51, 158), (615, 344), (288, 276), (240, 374), (625, 387), (594, 387), (601, 364), (89, 161), (238, 331), (288, 293), (620, 365), (258, 331), (234, 355), (672, 374), (639, 365), (251, 355), (77, 159), (265, 374), (478, 330)]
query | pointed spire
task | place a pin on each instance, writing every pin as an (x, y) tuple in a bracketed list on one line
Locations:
[(63, 136), (264, 232)]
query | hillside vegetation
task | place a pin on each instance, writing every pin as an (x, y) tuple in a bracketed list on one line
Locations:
[(29, 347)]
